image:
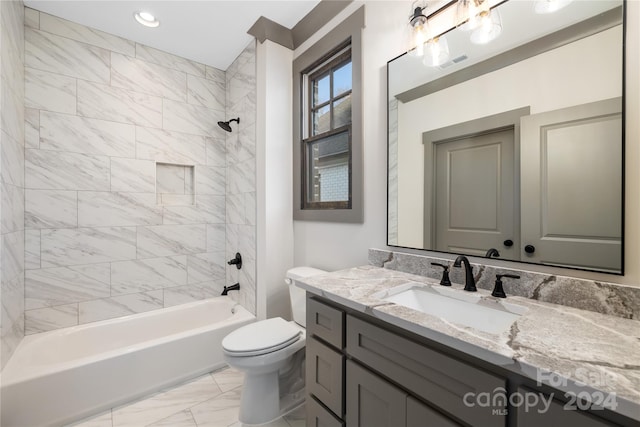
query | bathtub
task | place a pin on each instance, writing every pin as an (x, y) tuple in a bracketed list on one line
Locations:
[(61, 376)]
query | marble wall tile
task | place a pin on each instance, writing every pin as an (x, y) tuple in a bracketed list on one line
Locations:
[(48, 287), (235, 209), (168, 60), (176, 199), (12, 209), (181, 117), (215, 74), (12, 107), (194, 292), (242, 145), (48, 91), (216, 237), (100, 209), (141, 76), (66, 171), (12, 319), (81, 33), (241, 177), (31, 18), (250, 210), (62, 247), (61, 132), (118, 306), (148, 274), (31, 249), (50, 318), (31, 128), (170, 147), (216, 152), (133, 175), (206, 93), (247, 241), (171, 240), (49, 52), (208, 209), (210, 181), (117, 104), (205, 267), (12, 255), (12, 152), (51, 209)]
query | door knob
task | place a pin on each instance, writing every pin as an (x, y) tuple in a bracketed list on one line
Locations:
[(529, 249), (508, 243)]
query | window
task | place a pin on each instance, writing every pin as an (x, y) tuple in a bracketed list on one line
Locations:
[(327, 126), (327, 142)]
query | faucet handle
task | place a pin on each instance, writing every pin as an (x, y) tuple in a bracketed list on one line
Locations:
[(498, 290), (445, 281)]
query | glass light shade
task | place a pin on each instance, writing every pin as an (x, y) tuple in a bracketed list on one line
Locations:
[(489, 29), (550, 6), (436, 52), (469, 13), (418, 30)]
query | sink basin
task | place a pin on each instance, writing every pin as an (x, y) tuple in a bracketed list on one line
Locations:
[(455, 306)]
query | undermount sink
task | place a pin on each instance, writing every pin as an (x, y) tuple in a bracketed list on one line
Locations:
[(455, 306)]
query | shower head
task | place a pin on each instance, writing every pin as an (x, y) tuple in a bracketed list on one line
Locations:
[(227, 125)]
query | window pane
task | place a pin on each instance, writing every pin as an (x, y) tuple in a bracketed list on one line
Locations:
[(328, 169), (342, 79), (342, 111), (321, 120), (321, 89)]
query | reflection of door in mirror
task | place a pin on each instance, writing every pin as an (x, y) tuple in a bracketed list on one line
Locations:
[(570, 175), (474, 194)]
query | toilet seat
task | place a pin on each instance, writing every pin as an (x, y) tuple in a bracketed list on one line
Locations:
[(262, 337)]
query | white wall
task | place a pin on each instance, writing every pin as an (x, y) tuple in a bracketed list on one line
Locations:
[(334, 246), (274, 155)]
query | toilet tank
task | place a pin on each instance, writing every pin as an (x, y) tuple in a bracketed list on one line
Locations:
[(296, 294)]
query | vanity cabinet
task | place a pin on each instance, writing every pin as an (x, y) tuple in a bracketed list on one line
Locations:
[(362, 372)]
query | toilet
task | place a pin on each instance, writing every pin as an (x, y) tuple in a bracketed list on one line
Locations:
[(271, 355)]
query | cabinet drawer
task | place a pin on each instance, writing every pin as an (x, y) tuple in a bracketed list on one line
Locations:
[(325, 322), (324, 375), (429, 374), (318, 416), (554, 415)]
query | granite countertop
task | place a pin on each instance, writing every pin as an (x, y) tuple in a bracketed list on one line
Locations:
[(570, 349)]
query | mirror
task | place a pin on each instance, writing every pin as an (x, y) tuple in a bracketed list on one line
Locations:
[(516, 145)]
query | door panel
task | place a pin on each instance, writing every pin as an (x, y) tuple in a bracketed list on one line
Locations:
[(571, 187), (474, 194)]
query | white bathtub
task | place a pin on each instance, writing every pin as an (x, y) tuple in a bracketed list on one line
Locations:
[(64, 375)]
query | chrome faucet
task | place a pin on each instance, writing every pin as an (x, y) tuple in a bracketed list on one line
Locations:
[(469, 281)]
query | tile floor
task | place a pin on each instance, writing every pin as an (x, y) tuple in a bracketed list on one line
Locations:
[(212, 400)]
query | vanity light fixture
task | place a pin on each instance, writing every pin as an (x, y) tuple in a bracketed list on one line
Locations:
[(418, 30), (146, 19), (550, 6), (436, 52), (489, 28), (478, 17)]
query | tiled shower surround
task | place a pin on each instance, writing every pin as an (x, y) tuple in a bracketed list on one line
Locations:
[(103, 238), (12, 177)]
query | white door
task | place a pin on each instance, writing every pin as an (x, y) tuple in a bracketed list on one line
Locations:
[(474, 195), (571, 189)]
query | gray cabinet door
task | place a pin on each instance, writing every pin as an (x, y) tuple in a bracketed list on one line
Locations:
[(553, 415), (324, 375), (319, 416), (371, 401)]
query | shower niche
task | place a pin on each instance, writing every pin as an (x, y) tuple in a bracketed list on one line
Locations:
[(175, 184)]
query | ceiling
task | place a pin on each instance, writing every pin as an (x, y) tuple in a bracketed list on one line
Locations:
[(213, 32)]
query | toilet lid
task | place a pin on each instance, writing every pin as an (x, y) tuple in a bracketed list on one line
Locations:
[(261, 337)]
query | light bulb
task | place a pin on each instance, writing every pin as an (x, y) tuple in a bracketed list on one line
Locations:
[(437, 52), (489, 29)]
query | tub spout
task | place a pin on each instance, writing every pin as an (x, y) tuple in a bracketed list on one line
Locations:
[(226, 290)]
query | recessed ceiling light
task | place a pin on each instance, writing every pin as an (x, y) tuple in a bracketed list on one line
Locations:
[(146, 19)]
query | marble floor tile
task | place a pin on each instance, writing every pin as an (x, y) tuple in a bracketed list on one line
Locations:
[(212, 400)]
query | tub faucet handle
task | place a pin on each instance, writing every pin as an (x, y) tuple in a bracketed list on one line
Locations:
[(237, 261)]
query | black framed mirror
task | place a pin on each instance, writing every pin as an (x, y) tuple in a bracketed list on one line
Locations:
[(516, 145)]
